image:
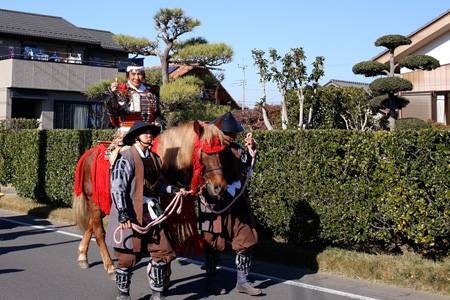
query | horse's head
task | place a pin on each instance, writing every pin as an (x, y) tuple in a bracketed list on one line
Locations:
[(212, 144)]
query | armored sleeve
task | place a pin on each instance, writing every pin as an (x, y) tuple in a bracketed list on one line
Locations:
[(120, 178), (245, 159)]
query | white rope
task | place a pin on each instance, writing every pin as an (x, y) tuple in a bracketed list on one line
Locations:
[(177, 201)]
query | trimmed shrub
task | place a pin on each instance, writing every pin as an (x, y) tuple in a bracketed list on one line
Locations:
[(45, 168), (411, 123), (18, 124)]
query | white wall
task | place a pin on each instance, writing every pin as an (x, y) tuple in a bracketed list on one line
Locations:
[(439, 49), (5, 73), (5, 106)]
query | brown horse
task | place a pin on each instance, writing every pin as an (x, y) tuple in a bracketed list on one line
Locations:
[(177, 147)]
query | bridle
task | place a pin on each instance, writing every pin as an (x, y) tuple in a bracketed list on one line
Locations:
[(220, 167), (253, 155)]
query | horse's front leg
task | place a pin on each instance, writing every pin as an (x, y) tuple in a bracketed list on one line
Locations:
[(99, 233), (82, 261)]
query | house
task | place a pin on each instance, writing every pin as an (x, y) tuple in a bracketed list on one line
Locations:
[(430, 97), (217, 95), (46, 62), (344, 83)]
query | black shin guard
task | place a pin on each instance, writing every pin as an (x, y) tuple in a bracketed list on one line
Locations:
[(243, 261), (211, 262), (123, 279), (157, 274)]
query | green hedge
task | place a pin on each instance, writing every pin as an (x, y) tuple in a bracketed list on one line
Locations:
[(41, 164), (411, 123), (370, 191), (362, 190)]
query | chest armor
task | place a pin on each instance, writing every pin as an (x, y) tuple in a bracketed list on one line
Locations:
[(150, 178), (142, 102)]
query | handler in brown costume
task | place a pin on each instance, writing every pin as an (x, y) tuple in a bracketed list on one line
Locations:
[(135, 185), (235, 226)]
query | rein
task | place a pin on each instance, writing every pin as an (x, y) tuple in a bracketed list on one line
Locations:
[(253, 155), (176, 201), (200, 146)]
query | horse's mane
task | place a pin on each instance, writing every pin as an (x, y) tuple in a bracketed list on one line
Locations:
[(176, 145)]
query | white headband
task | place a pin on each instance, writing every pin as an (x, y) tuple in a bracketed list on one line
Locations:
[(135, 68)]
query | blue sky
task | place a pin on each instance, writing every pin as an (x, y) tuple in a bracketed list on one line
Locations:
[(343, 32)]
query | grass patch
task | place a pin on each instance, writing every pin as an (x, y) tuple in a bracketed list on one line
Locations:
[(407, 270), (31, 207)]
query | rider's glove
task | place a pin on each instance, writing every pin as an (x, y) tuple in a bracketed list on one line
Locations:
[(123, 216), (172, 190)]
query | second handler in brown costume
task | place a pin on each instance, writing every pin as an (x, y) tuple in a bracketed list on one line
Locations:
[(235, 226)]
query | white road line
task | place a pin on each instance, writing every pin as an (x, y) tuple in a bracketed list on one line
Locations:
[(290, 282), (43, 228), (280, 280)]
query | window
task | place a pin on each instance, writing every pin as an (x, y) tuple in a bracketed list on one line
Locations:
[(440, 109), (70, 115), (26, 108)]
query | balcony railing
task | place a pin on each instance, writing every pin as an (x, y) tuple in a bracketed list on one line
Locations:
[(9, 52)]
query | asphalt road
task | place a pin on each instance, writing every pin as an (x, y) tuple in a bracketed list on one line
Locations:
[(37, 261)]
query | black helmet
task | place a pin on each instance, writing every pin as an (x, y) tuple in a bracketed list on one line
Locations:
[(229, 123), (138, 128)]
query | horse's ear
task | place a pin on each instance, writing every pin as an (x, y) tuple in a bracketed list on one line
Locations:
[(198, 128), (218, 124)]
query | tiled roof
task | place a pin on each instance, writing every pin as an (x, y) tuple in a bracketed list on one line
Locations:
[(180, 71), (171, 68), (105, 38), (176, 71), (43, 26), (343, 83)]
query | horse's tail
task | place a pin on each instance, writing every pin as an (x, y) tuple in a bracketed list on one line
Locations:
[(80, 211), (79, 206)]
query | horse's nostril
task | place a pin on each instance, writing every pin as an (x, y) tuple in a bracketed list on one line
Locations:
[(217, 189)]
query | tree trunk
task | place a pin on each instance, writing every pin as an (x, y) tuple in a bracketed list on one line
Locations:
[(284, 115), (164, 70), (392, 117), (263, 106), (301, 100), (309, 117), (391, 64)]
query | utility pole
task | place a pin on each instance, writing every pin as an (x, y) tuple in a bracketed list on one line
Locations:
[(243, 83)]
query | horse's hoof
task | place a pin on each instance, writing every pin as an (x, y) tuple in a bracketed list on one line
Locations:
[(83, 264), (112, 273)]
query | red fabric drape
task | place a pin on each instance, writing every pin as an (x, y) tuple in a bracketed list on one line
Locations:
[(99, 177)]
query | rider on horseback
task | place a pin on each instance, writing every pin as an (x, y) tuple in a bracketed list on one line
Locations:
[(132, 101)]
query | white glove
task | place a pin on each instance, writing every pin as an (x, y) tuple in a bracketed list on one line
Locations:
[(152, 204)]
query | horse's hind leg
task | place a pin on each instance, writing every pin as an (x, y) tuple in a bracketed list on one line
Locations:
[(82, 261), (99, 233)]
